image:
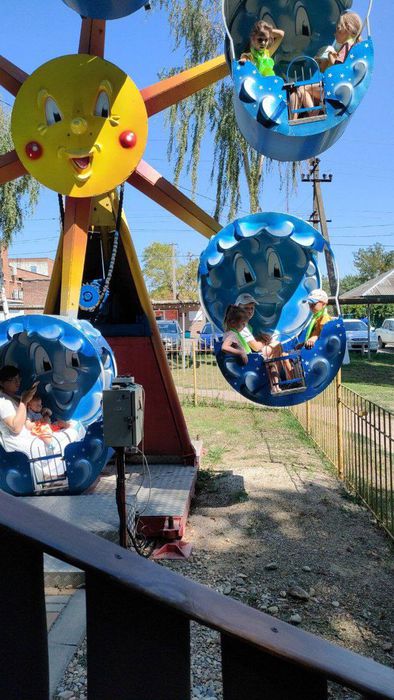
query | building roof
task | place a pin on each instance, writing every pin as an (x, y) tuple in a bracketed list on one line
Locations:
[(379, 290)]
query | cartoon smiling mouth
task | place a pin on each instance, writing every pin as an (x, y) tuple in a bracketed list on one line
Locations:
[(81, 163), (82, 166)]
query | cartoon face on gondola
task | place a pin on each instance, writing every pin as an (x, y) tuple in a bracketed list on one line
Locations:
[(70, 360), (79, 125), (270, 256)]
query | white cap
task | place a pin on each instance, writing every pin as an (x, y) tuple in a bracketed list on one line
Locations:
[(243, 299), (318, 295)]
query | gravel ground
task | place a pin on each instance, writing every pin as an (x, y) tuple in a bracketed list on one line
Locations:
[(286, 539)]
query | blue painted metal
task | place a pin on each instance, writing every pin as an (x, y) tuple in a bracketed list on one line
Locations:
[(273, 257), (320, 365), (105, 9), (73, 364), (261, 103)]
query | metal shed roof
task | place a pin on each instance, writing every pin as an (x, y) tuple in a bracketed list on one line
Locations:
[(379, 290)]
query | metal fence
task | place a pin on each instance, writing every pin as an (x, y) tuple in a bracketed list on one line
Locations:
[(197, 376), (357, 437), (355, 434)]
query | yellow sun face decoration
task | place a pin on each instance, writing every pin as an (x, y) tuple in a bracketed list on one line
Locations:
[(79, 125)]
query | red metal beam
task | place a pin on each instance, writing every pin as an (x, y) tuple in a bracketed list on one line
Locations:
[(92, 37), (10, 167), (153, 185), (11, 77), (161, 95)]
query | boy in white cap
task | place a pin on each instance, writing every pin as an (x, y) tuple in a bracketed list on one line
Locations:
[(317, 300)]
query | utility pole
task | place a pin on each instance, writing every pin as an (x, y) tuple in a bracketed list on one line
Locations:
[(319, 215), (173, 270)]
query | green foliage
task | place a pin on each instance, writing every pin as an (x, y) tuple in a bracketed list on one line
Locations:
[(372, 261), (17, 198), (157, 266), (197, 28)]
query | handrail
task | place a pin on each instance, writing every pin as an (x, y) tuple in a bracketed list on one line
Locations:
[(107, 564), (230, 38)]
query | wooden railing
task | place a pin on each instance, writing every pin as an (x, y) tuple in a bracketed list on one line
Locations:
[(138, 626)]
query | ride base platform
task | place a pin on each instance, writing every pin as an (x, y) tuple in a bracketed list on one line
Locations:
[(163, 502)]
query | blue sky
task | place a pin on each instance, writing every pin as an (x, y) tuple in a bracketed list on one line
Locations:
[(359, 201)]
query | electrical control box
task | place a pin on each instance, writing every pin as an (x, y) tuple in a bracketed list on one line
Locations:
[(123, 413)]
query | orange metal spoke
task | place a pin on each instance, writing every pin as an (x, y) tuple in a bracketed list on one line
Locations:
[(10, 167), (11, 77), (153, 185), (167, 92), (92, 37)]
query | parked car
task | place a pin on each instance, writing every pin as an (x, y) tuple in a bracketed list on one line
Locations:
[(207, 336), (357, 335), (171, 335), (385, 333)]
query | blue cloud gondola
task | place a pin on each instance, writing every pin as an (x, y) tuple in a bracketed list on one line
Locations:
[(72, 364), (273, 257), (264, 114)]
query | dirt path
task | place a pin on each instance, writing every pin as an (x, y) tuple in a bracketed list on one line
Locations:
[(270, 516)]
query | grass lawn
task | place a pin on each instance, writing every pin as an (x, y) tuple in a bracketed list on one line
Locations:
[(373, 379)]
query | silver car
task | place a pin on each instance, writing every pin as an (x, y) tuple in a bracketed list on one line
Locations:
[(357, 335)]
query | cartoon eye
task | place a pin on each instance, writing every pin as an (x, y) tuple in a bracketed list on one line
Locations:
[(52, 112), (102, 105), (268, 18), (42, 362), (72, 359), (243, 272), (302, 24), (274, 266)]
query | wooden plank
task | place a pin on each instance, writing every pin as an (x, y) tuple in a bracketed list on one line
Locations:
[(92, 37), (171, 90), (148, 181), (278, 639), (11, 77), (10, 167), (23, 630), (137, 648), (250, 673), (76, 224)]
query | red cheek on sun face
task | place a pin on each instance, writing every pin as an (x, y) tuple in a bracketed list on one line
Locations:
[(127, 139), (33, 150)]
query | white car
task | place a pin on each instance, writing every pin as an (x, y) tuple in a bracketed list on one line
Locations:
[(385, 333), (357, 335)]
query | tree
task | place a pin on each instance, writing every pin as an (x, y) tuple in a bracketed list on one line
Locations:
[(197, 27), (373, 261), (17, 200), (187, 279), (159, 266)]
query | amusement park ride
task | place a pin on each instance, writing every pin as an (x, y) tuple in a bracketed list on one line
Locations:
[(84, 137)]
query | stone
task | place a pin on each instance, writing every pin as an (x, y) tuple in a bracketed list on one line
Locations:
[(295, 619), (298, 593), (66, 695), (272, 566), (282, 594), (306, 568), (387, 646), (273, 609), (335, 604), (226, 589)]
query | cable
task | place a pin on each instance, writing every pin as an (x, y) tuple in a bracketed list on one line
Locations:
[(112, 260)]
